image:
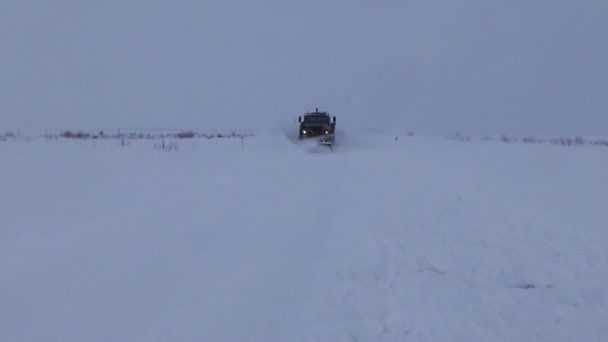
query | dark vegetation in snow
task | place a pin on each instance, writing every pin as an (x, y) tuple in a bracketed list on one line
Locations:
[(8, 135), (559, 141), (143, 135), (125, 137)]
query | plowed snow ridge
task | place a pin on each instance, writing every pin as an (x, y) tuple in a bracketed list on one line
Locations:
[(416, 239)]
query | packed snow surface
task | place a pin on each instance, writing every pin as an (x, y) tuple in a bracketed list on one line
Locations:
[(260, 239)]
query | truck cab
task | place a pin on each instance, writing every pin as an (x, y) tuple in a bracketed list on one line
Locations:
[(317, 124)]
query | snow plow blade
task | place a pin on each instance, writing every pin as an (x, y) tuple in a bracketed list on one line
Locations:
[(321, 140), (327, 141)]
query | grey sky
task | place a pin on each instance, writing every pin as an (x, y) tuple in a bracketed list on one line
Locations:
[(442, 66)]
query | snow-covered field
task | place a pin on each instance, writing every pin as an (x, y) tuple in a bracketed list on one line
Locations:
[(416, 239)]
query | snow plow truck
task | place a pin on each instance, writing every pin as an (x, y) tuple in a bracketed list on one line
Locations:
[(319, 126)]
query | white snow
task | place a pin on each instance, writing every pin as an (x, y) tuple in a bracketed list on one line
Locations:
[(415, 239)]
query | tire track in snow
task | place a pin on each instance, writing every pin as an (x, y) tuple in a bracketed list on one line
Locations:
[(263, 266), (351, 303)]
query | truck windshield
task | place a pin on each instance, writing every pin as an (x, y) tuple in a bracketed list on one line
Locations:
[(321, 119)]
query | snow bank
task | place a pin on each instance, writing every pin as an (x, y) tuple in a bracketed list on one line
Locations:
[(259, 239)]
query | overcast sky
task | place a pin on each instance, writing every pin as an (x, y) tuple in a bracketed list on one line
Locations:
[(444, 66)]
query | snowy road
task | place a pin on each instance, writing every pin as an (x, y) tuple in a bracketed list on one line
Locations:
[(383, 240)]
